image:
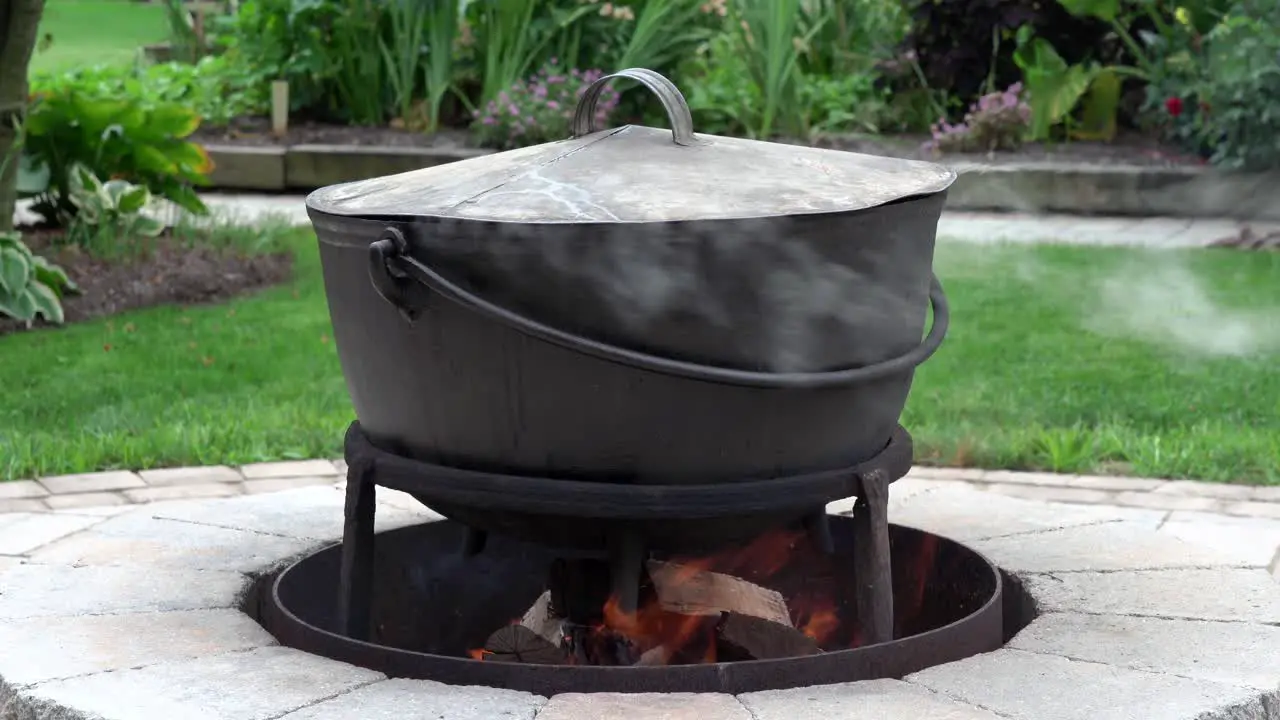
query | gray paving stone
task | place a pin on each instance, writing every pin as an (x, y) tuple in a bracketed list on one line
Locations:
[(1052, 494), (900, 492), (1254, 541), (1106, 546), (1241, 595), (184, 492), (299, 468), (99, 511), (855, 701), (17, 489), (1029, 686), (400, 699), (1219, 491), (138, 539), (644, 706), (190, 475), (92, 482), (55, 648), (32, 590), (1225, 652), (270, 485), (312, 512), (1166, 501), (254, 685), (1026, 478), (22, 533), (1115, 482), (1269, 493), (965, 514), (22, 505), (1254, 509), (85, 500), (949, 474)]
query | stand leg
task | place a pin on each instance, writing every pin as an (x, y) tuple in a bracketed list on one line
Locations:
[(356, 579), (871, 558), (626, 564)]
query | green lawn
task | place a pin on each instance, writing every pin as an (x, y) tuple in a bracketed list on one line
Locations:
[(91, 32), (1071, 359)]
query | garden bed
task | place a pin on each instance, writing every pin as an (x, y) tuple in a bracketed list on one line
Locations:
[(173, 271)]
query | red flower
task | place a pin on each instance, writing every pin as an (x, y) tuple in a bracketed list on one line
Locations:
[(1174, 106)]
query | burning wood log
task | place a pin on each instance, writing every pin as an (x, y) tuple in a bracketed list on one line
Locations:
[(689, 591), (743, 637), (692, 614)]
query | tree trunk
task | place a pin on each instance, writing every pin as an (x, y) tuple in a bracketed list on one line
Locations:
[(19, 28)]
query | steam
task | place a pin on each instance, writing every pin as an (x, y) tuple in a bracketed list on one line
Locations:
[(1167, 304), (780, 294)]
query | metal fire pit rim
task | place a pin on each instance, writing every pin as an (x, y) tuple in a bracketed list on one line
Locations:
[(978, 632), (622, 500)]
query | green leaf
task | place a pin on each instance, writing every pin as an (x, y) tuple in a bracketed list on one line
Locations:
[(53, 276), (114, 191), (1106, 10), (33, 175), (46, 303), (172, 121), (134, 199), (23, 306), (15, 271), (152, 159), (147, 226), (1098, 119)]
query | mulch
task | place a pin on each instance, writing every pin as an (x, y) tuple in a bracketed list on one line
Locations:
[(1126, 149), (173, 273)]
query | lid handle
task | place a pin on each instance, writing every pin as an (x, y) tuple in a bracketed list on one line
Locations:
[(672, 101)]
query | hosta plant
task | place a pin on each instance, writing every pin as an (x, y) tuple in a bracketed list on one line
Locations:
[(110, 210), (30, 286)]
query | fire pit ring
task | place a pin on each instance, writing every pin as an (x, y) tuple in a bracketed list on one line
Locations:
[(302, 618)]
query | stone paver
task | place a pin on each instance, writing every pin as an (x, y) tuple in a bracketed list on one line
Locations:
[(190, 475), (22, 505), (183, 492), (34, 590), (313, 512), (1030, 686), (1047, 493), (63, 647), (22, 533), (1254, 509), (300, 468), (92, 482), (1226, 652), (139, 539), (1102, 547), (22, 489), (1165, 501), (1255, 541), (1218, 491), (965, 514), (872, 699), (1229, 595), (270, 485), (644, 706), (401, 699), (85, 500), (254, 685)]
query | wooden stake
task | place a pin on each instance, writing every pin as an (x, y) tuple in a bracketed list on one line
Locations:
[(279, 107)]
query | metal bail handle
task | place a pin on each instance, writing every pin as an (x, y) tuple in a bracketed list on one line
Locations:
[(584, 116), (391, 268)]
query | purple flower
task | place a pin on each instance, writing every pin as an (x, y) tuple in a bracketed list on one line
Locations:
[(553, 104)]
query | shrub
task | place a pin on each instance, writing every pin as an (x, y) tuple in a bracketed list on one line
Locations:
[(216, 88), (539, 109), (966, 46), (118, 138), (1239, 102), (998, 121), (30, 286), (109, 214)]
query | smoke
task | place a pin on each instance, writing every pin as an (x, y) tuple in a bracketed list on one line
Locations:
[(1162, 301)]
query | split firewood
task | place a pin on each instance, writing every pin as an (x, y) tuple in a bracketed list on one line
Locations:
[(519, 644), (690, 591), (543, 622), (744, 637)]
